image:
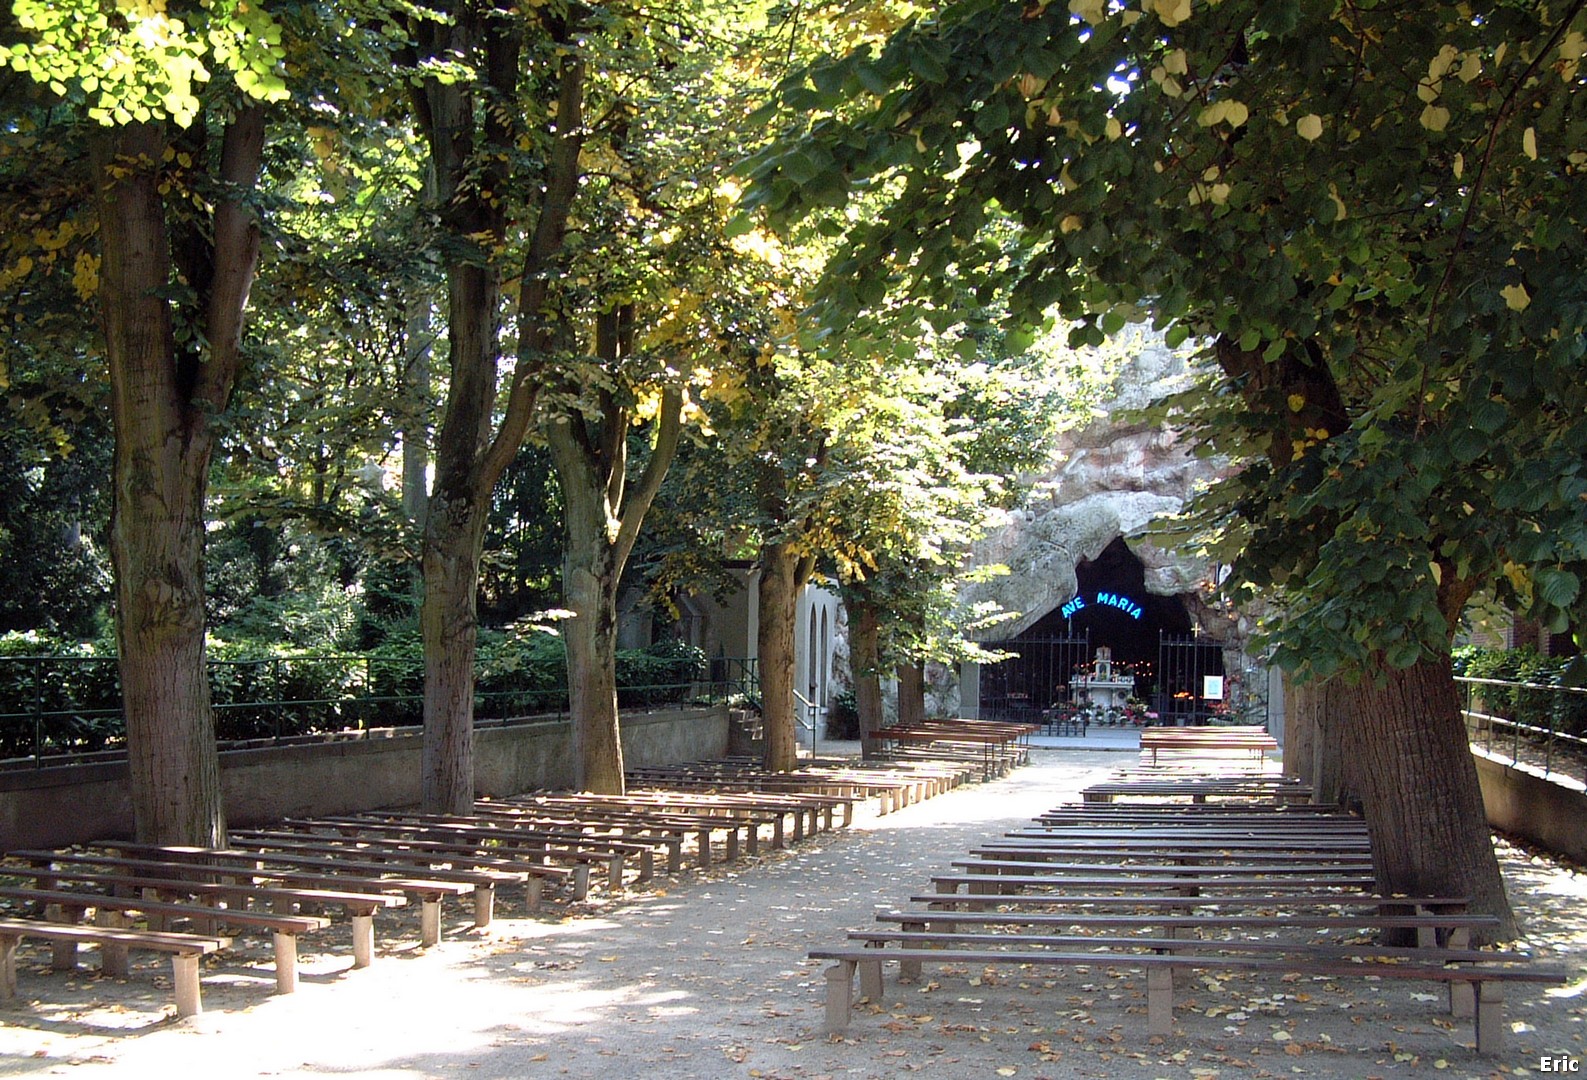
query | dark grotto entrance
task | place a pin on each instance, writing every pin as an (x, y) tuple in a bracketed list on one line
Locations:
[(1148, 636)]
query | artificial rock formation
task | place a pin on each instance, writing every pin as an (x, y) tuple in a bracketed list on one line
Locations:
[(1109, 479)]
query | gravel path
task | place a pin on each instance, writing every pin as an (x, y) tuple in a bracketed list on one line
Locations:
[(707, 978)]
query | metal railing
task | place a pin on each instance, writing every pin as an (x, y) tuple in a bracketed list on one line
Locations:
[(1536, 725), (54, 707)]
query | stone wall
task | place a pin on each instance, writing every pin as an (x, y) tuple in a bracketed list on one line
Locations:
[(51, 807), (1545, 812)]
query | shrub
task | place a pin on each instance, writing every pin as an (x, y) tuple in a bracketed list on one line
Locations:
[(1563, 711)]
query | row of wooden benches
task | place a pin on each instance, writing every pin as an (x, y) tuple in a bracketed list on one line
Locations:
[(1145, 887), (358, 866), (993, 746)]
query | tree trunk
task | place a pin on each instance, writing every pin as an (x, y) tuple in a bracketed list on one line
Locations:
[(911, 693), (453, 538), (1314, 735), (590, 591), (779, 613), (865, 664), (163, 402), (449, 625), (1300, 728), (1406, 754)]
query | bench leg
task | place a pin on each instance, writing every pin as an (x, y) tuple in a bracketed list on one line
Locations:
[(733, 843), (114, 960), (647, 864), (1160, 999), (581, 881), (1462, 999), (705, 848), (429, 923), (752, 838), (484, 905), (871, 980), (286, 950), (63, 953), (8, 966), (1490, 1017), (533, 890), (363, 939), (184, 970), (840, 988)]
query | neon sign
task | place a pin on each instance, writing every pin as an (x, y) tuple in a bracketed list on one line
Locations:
[(1103, 599)]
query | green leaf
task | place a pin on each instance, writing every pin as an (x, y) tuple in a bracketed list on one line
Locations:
[(1558, 588)]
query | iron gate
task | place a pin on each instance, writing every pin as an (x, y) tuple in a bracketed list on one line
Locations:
[(1190, 683), (1035, 678)]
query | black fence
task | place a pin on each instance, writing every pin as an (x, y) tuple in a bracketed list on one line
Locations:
[(53, 706)]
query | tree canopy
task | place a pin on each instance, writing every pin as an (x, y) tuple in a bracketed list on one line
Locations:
[(1374, 212)]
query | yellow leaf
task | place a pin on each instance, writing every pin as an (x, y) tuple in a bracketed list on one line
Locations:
[(1007, 1070), (1175, 63), (1071, 223), (1460, 165), (1309, 127), (1529, 143), (1435, 118), (1091, 11), (1297, 402), (1339, 204), (1516, 298), (1114, 129)]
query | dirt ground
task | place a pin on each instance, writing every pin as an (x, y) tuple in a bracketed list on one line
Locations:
[(706, 976)]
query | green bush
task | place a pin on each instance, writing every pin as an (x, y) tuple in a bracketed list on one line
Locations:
[(1562, 710), (57, 696), (263, 689)]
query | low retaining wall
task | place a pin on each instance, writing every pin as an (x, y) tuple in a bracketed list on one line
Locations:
[(52, 807), (1548, 813)]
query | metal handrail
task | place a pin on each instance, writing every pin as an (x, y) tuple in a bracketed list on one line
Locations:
[(811, 711), (1526, 741)]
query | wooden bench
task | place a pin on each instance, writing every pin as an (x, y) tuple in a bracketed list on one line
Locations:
[(1486, 976), (1187, 881), (431, 887), (185, 950), (474, 856), (578, 845), (892, 789), (702, 818), (112, 911), (1449, 928), (1200, 789), (194, 880), (1199, 744)]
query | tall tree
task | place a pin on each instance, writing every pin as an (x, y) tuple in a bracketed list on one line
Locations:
[(603, 512), (173, 282), (473, 123), (1371, 215)]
